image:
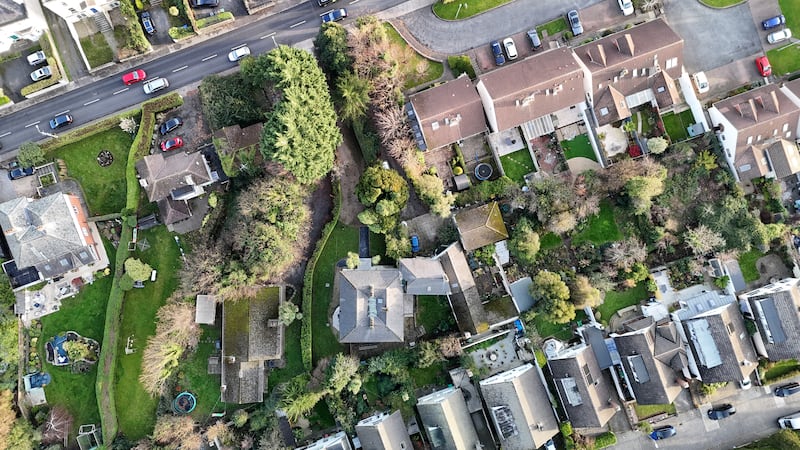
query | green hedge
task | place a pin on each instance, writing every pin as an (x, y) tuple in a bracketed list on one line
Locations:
[(178, 33), (461, 64), (308, 280), (604, 440), (211, 20), (39, 85), (368, 140)]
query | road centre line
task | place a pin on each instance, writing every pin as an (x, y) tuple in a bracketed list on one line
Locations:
[(93, 101), (209, 57), (62, 112), (354, 2), (120, 91), (267, 36), (180, 68), (5, 134), (33, 124), (297, 24)]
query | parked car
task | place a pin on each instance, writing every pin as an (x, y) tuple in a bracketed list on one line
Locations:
[(325, 2), (511, 49), (721, 412), (575, 22), (626, 6), (172, 144), (779, 36), (41, 74), (773, 22), (786, 390), (700, 82), (37, 58), (238, 53), (147, 23), (134, 77), (414, 243), (60, 121), (499, 59), (533, 36), (155, 85), (334, 15), (204, 3), (764, 68), (664, 432), (170, 125), (20, 172)]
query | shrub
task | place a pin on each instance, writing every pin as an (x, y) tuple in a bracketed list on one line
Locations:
[(211, 20), (178, 33), (461, 64), (604, 440)]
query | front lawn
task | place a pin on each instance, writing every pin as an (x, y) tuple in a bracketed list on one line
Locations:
[(97, 50), (600, 228), (434, 314), (616, 300), (459, 10), (416, 68), (136, 409), (103, 187), (579, 146), (518, 164), (781, 370), (553, 27), (675, 124), (645, 411), (747, 262), (785, 59)]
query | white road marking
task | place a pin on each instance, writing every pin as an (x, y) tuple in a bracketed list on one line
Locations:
[(5, 134), (180, 68), (297, 24), (62, 112), (354, 2), (209, 57), (267, 36), (33, 124), (120, 91), (93, 101)]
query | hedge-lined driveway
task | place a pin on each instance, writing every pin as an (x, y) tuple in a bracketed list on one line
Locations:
[(16, 74)]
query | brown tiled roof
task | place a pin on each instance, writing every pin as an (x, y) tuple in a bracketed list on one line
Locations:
[(784, 158), (449, 112), (481, 226), (590, 391), (167, 173), (751, 163), (536, 86)]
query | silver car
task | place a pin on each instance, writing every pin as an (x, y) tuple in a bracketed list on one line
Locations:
[(155, 85), (41, 74), (575, 22), (778, 36), (36, 58)]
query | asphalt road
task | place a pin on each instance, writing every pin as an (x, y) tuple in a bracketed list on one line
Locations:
[(108, 96)]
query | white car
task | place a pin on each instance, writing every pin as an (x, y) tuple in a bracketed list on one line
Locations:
[(511, 49), (37, 58), (701, 82), (239, 53), (778, 36), (626, 6), (41, 74), (155, 85)]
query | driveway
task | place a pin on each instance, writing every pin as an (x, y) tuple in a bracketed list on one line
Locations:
[(161, 22), (16, 74)]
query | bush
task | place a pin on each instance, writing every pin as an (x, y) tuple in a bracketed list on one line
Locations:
[(604, 440), (178, 33), (215, 19), (39, 85), (461, 64), (368, 141)]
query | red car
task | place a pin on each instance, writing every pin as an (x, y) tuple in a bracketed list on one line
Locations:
[(762, 63), (171, 144), (134, 77)]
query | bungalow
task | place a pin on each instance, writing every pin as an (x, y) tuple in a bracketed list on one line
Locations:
[(774, 309), (446, 421), (383, 431)]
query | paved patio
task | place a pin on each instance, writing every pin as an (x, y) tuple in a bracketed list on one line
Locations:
[(615, 140)]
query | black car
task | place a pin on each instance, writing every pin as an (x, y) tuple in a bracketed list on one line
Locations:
[(204, 3), (170, 125), (20, 172), (663, 433), (147, 23), (325, 2), (721, 412), (60, 121), (786, 390)]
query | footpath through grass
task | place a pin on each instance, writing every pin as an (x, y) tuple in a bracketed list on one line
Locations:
[(462, 10)]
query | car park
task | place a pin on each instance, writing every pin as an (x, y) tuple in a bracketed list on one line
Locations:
[(134, 77), (511, 49), (626, 6), (533, 36), (238, 53), (788, 389), (334, 15), (170, 125), (36, 58), (763, 66), (773, 22), (779, 36), (41, 74), (575, 22), (721, 412), (171, 144), (60, 121), (499, 59), (204, 3), (20, 172), (147, 23), (155, 85), (664, 432), (700, 82)]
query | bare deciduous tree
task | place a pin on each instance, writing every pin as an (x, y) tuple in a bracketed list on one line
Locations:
[(624, 254), (57, 426), (176, 332)]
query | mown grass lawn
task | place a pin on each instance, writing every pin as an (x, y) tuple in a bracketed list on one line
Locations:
[(194, 377), (417, 68), (85, 314), (135, 407), (434, 314), (784, 60), (616, 300), (645, 411), (549, 240), (721, 3), (553, 27), (518, 164), (781, 369), (675, 124), (448, 11), (562, 331), (578, 146), (600, 228), (97, 50), (104, 187), (747, 262)]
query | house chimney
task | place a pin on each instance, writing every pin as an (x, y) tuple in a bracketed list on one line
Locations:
[(753, 109), (760, 101), (738, 109)]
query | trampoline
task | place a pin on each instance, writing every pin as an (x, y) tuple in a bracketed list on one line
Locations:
[(184, 403), (483, 171)]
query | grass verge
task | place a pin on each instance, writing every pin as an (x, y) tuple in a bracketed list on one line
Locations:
[(553, 27), (457, 10), (416, 68), (645, 411)]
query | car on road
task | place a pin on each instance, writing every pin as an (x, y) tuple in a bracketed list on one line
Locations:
[(147, 23), (170, 125), (773, 22), (511, 49), (575, 22), (414, 243), (499, 59), (155, 85), (763, 66), (721, 412), (779, 36), (533, 36), (60, 121), (322, 3), (172, 144), (334, 15), (20, 172), (626, 6), (134, 77), (664, 432), (36, 58), (788, 389), (204, 3), (700, 82), (41, 74), (238, 53)]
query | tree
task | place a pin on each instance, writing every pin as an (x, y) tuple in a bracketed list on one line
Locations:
[(354, 96), (221, 432), (584, 294), (7, 297), (176, 332), (77, 350), (172, 429), (703, 240), (562, 222), (626, 253), (430, 189), (657, 145), (7, 416), (385, 193), (302, 404), (642, 189), (450, 346), (125, 282), (288, 312), (230, 100), (23, 436), (352, 260), (428, 354), (341, 372), (128, 125), (30, 154), (57, 426), (137, 270), (524, 244), (706, 160), (239, 418), (552, 297), (331, 44), (398, 245)]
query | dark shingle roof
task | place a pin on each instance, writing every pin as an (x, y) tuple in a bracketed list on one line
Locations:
[(424, 276), (164, 174), (775, 312), (371, 305), (584, 392)]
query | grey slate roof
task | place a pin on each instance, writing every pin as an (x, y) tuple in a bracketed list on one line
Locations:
[(424, 276), (446, 420), (518, 404), (481, 226), (775, 312), (383, 432), (163, 174), (371, 305), (465, 299), (585, 394), (173, 211), (45, 234)]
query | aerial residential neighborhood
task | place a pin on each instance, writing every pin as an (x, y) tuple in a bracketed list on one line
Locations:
[(400, 224)]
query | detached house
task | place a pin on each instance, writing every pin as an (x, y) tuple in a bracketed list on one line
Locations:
[(774, 309), (447, 421), (383, 431), (758, 131)]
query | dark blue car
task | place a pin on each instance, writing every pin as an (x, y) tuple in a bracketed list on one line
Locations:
[(773, 22), (415, 243), (663, 433), (497, 51), (20, 172)]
